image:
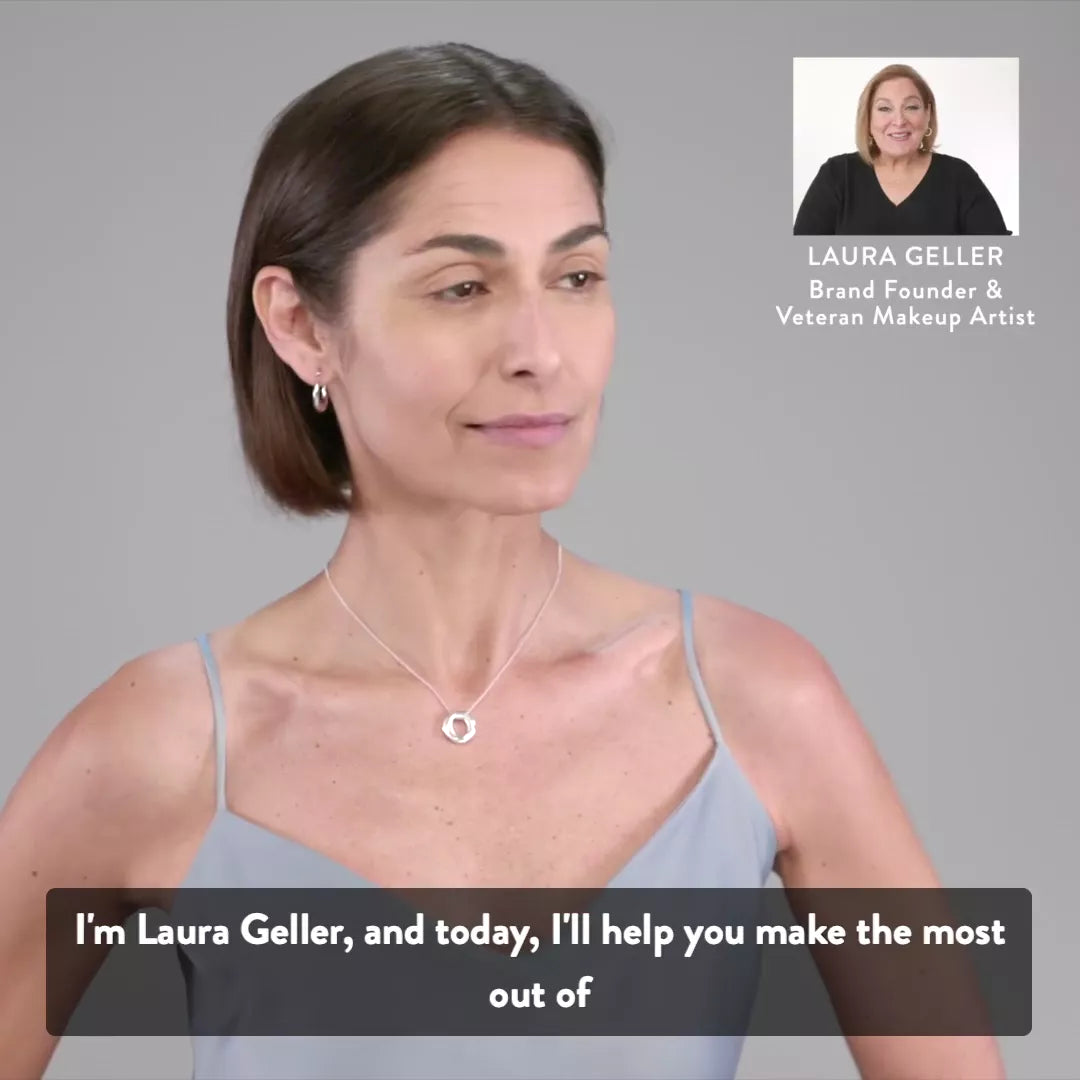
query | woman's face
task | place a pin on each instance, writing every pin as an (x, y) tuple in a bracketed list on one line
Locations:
[(898, 117), (488, 298)]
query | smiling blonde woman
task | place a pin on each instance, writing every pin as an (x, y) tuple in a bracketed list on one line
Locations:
[(895, 182), (420, 329)]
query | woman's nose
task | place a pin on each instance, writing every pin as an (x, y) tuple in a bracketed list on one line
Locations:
[(531, 342)]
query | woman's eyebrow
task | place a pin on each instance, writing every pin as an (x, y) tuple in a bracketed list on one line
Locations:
[(475, 244)]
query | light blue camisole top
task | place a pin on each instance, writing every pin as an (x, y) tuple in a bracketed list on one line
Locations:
[(719, 836)]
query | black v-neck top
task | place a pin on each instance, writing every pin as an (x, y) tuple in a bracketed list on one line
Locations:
[(845, 198)]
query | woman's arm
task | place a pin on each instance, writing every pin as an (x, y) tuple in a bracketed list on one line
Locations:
[(979, 211), (839, 820), (97, 807), (820, 208)]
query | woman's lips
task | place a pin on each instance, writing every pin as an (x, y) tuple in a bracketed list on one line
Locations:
[(523, 435)]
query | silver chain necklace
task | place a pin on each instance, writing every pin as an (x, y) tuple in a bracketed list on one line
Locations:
[(449, 728)]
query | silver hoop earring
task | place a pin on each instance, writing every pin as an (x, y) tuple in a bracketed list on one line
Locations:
[(319, 398)]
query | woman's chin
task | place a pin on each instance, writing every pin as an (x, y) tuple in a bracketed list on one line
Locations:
[(527, 498), (897, 149)]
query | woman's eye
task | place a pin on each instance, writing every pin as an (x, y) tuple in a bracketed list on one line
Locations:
[(591, 276), (454, 294)]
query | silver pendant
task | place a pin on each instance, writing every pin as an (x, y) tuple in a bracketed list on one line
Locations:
[(450, 732)]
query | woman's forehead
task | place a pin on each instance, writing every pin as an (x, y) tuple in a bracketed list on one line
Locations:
[(901, 86), (484, 173)]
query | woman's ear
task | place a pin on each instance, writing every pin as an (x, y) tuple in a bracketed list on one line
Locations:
[(289, 326)]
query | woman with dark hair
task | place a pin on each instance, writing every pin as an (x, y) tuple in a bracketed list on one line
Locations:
[(420, 330), (895, 182)]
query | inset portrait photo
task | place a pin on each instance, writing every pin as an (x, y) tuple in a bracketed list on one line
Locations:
[(897, 146)]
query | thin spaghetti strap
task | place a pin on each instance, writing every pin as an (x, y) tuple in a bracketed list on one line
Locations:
[(686, 599), (219, 714)]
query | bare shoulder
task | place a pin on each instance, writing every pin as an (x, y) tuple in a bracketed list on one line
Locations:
[(775, 667), (145, 728), (108, 802), (771, 688), (118, 776), (838, 817)]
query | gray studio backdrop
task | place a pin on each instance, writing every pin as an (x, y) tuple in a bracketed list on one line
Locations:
[(904, 499)]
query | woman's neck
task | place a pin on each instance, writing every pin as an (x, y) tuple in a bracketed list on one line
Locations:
[(909, 163), (451, 598)]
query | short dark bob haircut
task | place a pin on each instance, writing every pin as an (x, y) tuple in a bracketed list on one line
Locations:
[(329, 178)]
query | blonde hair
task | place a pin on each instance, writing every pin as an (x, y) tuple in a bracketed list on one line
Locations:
[(867, 150)]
